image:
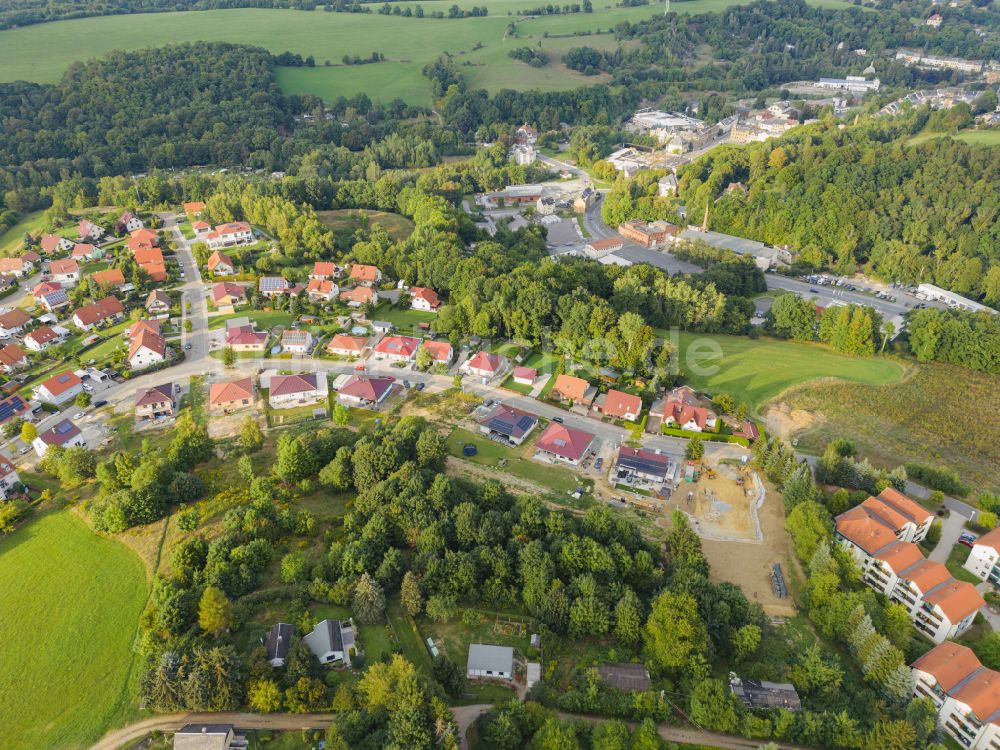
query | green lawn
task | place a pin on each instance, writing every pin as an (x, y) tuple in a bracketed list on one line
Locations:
[(346, 220), (956, 560), (990, 137), (264, 320), (10, 241), (755, 371), (406, 320), (555, 478), (68, 616), (407, 43)]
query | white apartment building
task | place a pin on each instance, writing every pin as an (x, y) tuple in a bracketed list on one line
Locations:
[(880, 534), (966, 694), (984, 560)]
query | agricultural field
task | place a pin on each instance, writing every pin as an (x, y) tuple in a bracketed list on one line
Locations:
[(989, 137), (407, 43), (10, 241), (925, 418), (755, 371), (69, 612), (346, 221)]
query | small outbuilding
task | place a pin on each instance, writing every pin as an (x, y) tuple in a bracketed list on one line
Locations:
[(632, 678), (279, 640), (490, 661)]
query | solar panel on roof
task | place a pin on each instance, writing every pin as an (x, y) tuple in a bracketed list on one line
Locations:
[(525, 422), (63, 427), (560, 442)]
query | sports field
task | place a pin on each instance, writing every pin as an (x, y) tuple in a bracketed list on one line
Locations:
[(480, 45), (755, 371), (68, 615)]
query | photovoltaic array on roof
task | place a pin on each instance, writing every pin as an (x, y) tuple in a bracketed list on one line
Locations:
[(643, 462), (10, 407), (63, 427)]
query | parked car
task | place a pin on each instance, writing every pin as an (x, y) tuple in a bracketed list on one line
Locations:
[(187, 346), (79, 415), (967, 539), (406, 383), (560, 420), (598, 463), (88, 387), (99, 404), (420, 386), (24, 450)]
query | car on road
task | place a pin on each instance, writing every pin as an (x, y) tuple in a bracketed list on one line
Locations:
[(187, 346), (24, 450), (420, 386), (814, 290), (79, 415), (88, 387), (406, 383), (598, 463), (99, 404), (560, 420)]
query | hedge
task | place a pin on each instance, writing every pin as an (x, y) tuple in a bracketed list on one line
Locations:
[(711, 437)]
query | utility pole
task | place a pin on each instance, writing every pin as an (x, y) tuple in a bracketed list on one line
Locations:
[(666, 8)]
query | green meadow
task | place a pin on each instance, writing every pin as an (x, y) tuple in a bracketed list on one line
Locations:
[(480, 45), (68, 617)]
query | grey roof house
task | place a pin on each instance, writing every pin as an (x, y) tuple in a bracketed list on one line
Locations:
[(633, 678), (762, 694), (278, 642), (207, 737), (490, 661), (331, 641)]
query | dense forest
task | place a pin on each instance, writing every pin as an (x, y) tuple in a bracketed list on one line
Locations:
[(863, 195)]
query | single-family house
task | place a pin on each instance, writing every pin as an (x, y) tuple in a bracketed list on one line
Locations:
[(526, 134), (278, 643), (565, 444), (965, 694), (365, 275), (322, 290), (625, 676), (12, 407), (65, 272), (150, 260), (154, 402), (13, 322), (397, 348), (619, 405), (365, 391), (682, 409), (763, 695), (273, 286), (507, 424), (246, 339), (84, 251), (331, 641), (358, 296), (146, 348), (107, 310), (206, 737), (485, 364), (41, 339), (13, 358), (88, 230), (128, 222), (487, 661), (140, 326), (347, 346), (382, 327), (51, 243), (111, 278), (50, 295), (59, 389), (424, 299), (642, 466), (295, 341), (220, 264), (16, 267), (572, 388), (230, 234), (194, 208), (227, 294), (287, 391), (441, 352), (65, 435), (324, 271), (143, 238), (8, 478), (157, 302), (32, 257), (231, 395), (200, 228)]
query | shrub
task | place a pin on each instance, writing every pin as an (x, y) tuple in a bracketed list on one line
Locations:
[(937, 479)]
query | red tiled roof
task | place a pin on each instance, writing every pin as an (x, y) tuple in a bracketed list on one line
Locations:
[(284, 385), (11, 354), (440, 350), (154, 395), (342, 342), (64, 266), (228, 289), (146, 255), (146, 236), (42, 335), (429, 295), (217, 258), (324, 268), (14, 318), (949, 663), (570, 387), (361, 272), (111, 277), (484, 361), (927, 574), (957, 599), (360, 294), (194, 207), (900, 556), (232, 227), (153, 326), (868, 532), (912, 510), (618, 403), (244, 335), (606, 244), (62, 382), (402, 346), (50, 243), (365, 388), (525, 373), (152, 341), (324, 287), (990, 539), (564, 441), (232, 390), (82, 250), (98, 311)]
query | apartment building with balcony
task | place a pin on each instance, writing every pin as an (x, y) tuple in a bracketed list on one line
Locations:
[(984, 560), (965, 693), (880, 534)]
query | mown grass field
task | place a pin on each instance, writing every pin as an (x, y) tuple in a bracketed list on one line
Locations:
[(10, 241), (940, 415), (347, 220), (407, 43), (68, 614), (989, 137), (755, 371)]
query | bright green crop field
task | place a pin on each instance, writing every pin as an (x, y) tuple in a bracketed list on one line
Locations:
[(69, 610), (480, 45), (755, 371)]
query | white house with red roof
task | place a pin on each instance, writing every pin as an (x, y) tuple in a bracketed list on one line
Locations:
[(88, 230), (965, 693), (564, 444), (525, 375), (65, 272), (984, 559), (424, 299), (365, 275), (881, 535), (322, 290), (106, 310), (65, 435), (325, 270), (8, 477), (619, 405), (347, 346), (287, 391), (246, 339), (227, 294), (154, 402), (50, 295), (230, 234), (13, 358), (231, 395), (13, 322), (129, 222), (683, 409), (84, 251), (41, 339), (364, 391), (18, 267), (220, 264), (51, 243), (485, 364), (59, 389), (397, 348), (358, 296), (146, 348), (441, 352)]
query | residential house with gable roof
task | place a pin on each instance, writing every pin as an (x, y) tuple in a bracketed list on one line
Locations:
[(364, 391), (220, 264), (424, 299), (287, 391), (619, 405), (13, 322), (154, 402), (97, 313), (8, 478), (231, 395), (65, 435), (231, 234), (363, 275), (564, 444), (506, 424)]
